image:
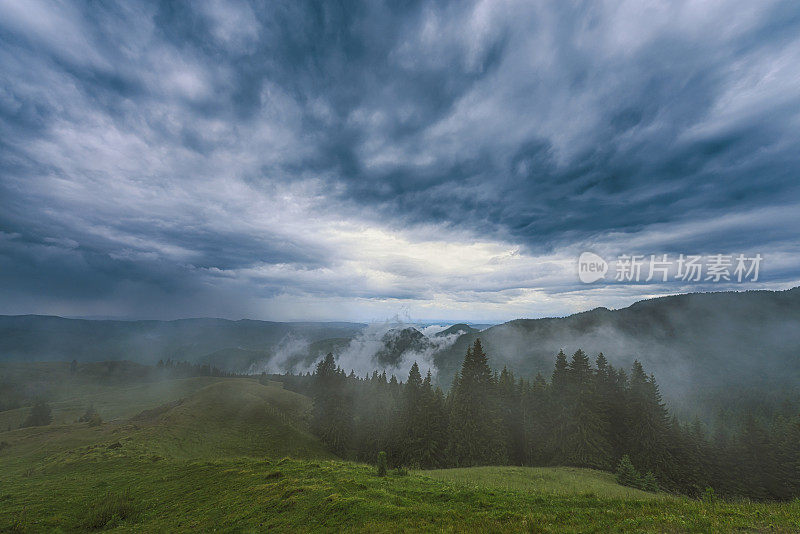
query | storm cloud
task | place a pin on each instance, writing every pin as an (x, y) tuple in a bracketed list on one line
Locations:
[(438, 159)]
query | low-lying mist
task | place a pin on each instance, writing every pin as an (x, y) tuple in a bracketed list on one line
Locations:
[(390, 346)]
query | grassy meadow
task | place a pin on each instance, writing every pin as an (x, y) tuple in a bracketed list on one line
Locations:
[(230, 454)]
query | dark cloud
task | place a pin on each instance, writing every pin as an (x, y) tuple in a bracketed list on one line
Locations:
[(233, 152)]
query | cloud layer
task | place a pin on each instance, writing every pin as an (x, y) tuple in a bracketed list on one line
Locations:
[(442, 160)]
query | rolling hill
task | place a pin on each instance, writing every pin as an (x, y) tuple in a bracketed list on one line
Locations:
[(233, 454), (734, 347)]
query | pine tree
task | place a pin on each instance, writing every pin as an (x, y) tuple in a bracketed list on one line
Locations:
[(647, 423), (627, 475), (433, 425), (560, 412), (510, 405), (474, 432), (649, 482), (585, 435), (332, 420), (560, 379), (537, 421), (411, 417), (756, 458)]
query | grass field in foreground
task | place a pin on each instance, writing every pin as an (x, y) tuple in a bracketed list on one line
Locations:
[(214, 461), (544, 480), (254, 495)]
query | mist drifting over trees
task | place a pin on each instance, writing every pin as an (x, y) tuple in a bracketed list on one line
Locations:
[(586, 414)]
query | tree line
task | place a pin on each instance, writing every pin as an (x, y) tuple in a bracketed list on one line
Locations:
[(586, 415)]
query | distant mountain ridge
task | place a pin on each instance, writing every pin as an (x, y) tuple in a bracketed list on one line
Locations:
[(40, 338), (460, 328), (696, 343)]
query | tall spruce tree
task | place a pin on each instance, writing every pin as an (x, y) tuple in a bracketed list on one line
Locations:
[(538, 421), (411, 417), (647, 424), (510, 404), (332, 415), (433, 425), (586, 440), (474, 430)]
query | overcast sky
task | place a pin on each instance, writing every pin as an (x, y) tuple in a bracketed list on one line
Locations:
[(434, 161)]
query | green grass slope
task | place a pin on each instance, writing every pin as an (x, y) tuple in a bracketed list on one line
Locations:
[(233, 417), (220, 418), (258, 495), (234, 455), (543, 480), (118, 401)]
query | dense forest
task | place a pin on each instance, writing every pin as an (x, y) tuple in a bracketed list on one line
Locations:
[(585, 415)]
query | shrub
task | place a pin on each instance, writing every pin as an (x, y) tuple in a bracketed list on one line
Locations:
[(88, 414), (109, 510), (627, 475), (401, 471), (41, 415), (649, 482), (382, 464)]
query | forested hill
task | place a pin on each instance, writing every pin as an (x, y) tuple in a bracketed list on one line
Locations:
[(699, 345), (41, 338)]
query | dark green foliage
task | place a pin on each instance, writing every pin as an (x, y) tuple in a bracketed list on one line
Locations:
[(41, 415), (332, 420), (649, 482), (587, 416), (475, 434), (382, 464), (109, 511), (627, 475)]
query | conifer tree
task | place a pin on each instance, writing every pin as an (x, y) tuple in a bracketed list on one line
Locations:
[(647, 423), (538, 422), (510, 404), (411, 417), (560, 378), (433, 425), (587, 435), (627, 475), (649, 482), (332, 420), (474, 432)]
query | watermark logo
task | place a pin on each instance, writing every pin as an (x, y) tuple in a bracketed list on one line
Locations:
[(633, 268), (591, 267)]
